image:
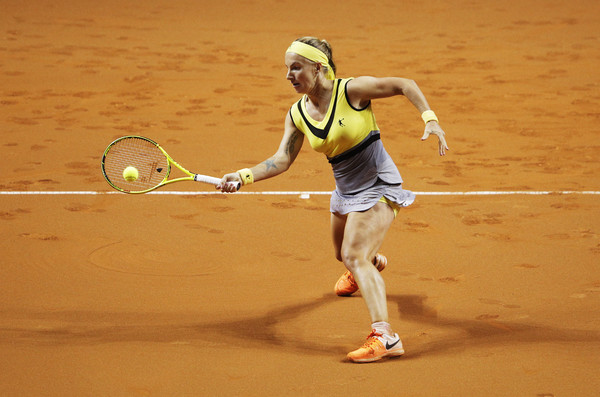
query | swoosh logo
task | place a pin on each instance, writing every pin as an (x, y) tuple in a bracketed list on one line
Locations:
[(388, 346)]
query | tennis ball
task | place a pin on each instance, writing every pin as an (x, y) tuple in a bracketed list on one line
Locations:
[(130, 174)]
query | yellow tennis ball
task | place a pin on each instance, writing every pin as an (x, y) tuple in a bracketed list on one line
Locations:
[(130, 174)]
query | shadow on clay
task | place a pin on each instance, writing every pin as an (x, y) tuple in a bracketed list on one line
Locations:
[(457, 334), (450, 335)]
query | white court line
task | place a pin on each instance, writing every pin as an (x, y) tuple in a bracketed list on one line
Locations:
[(299, 193)]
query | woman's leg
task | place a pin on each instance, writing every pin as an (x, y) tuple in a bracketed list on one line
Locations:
[(338, 224), (357, 237)]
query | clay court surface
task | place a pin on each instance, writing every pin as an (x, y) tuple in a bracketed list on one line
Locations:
[(210, 294)]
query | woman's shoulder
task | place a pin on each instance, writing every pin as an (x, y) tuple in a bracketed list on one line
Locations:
[(297, 104)]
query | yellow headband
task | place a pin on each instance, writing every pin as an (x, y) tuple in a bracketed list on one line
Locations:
[(313, 54)]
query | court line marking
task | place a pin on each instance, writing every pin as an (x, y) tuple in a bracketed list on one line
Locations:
[(304, 193)]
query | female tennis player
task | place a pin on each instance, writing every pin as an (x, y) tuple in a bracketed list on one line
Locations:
[(335, 116)]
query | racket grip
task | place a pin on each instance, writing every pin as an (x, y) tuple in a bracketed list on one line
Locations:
[(214, 181), (236, 184)]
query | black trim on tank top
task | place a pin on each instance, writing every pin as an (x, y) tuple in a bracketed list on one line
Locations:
[(318, 132), (355, 150), (348, 99)]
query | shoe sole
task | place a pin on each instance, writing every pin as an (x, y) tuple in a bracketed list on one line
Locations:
[(389, 354)]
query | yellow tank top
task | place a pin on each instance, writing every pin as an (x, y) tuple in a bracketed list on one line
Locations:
[(343, 126)]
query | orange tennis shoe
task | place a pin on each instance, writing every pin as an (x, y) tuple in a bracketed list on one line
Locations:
[(346, 285), (377, 347)]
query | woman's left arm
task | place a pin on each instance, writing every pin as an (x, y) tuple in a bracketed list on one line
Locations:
[(363, 89)]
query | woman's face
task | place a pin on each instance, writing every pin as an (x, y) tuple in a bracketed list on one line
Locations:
[(300, 72)]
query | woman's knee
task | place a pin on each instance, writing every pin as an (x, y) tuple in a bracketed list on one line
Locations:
[(353, 258)]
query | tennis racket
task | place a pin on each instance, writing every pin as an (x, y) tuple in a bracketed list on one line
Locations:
[(135, 164)]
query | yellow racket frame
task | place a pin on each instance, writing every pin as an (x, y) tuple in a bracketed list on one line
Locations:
[(190, 176)]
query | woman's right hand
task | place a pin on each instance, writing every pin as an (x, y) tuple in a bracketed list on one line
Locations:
[(229, 183)]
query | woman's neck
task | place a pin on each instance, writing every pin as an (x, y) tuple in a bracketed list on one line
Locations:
[(320, 96)]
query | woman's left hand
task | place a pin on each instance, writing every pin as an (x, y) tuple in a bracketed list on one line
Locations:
[(433, 128)]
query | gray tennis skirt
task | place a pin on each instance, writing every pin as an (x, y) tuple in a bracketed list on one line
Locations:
[(344, 204), (365, 174)]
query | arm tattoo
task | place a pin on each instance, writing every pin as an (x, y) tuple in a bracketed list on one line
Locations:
[(292, 143), (270, 164)]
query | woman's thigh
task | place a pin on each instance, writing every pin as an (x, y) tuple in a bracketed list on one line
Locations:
[(360, 234), (338, 223)]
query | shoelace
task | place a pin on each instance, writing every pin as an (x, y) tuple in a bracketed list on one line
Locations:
[(371, 339)]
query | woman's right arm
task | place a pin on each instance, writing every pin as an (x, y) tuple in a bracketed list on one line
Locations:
[(288, 150)]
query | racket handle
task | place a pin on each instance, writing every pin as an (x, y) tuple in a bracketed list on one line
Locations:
[(214, 181)]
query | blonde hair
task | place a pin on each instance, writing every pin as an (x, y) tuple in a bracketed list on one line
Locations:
[(322, 45)]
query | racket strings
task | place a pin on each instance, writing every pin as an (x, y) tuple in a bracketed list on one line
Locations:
[(145, 156)]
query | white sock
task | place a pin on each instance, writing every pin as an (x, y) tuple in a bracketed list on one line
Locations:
[(383, 328)]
